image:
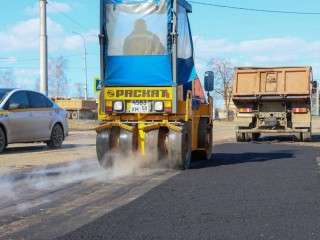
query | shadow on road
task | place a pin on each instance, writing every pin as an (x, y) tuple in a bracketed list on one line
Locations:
[(315, 138), (283, 138), (220, 159), (12, 149)]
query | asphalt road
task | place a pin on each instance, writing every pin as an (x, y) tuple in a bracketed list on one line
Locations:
[(246, 191)]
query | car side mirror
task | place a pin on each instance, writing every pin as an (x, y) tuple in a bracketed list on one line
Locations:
[(13, 106), (209, 81)]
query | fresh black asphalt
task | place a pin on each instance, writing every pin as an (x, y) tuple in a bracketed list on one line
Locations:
[(246, 191)]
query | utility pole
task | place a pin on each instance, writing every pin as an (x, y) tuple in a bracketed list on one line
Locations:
[(43, 48), (85, 62)]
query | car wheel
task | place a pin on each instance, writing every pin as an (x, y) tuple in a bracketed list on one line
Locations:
[(56, 138), (2, 140)]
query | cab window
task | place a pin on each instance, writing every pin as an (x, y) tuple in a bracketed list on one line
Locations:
[(18, 100), (38, 100)]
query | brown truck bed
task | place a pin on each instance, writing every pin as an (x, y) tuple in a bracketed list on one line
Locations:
[(76, 104), (254, 81)]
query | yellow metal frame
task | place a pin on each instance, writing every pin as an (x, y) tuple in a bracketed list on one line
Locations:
[(150, 122), (113, 124)]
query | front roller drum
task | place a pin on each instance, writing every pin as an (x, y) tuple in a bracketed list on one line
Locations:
[(156, 144), (180, 147), (114, 143)]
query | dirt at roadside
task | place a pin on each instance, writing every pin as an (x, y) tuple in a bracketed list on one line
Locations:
[(222, 131), (78, 125)]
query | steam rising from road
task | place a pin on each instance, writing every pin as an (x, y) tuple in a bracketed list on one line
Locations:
[(43, 181)]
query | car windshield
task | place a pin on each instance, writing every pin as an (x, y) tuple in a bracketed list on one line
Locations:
[(3, 94)]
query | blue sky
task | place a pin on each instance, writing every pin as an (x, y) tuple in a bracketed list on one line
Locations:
[(243, 37)]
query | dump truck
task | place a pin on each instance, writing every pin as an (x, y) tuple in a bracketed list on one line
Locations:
[(78, 108), (273, 100), (151, 103)]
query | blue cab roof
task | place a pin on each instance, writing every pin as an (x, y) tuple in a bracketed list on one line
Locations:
[(182, 3)]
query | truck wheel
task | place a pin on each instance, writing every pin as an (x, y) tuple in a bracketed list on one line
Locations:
[(297, 137), (74, 115), (69, 114), (106, 141), (204, 139), (3, 143), (256, 136), (180, 147), (249, 137), (240, 137), (56, 137), (306, 136)]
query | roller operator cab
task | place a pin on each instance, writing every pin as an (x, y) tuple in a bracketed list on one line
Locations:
[(152, 103)]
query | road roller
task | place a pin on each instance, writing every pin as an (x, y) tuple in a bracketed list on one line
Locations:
[(152, 102)]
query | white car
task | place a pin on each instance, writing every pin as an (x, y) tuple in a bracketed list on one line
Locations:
[(29, 116)]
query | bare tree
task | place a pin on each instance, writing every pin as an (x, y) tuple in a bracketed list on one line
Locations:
[(37, 84), (79, 89), (223, 79), (58, 82), (7, 78)]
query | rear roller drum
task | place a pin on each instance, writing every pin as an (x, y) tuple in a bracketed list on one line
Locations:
[(204, 140), (180, 147)]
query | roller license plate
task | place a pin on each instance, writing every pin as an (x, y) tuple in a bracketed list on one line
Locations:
[(139, 106)]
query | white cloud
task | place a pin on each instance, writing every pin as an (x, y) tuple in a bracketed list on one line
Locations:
[(27, 73), (287, 51), (276, 59), (75, 42), (271, 45), (8, 60), (24, 36), (52, 7), (272, 51), (316, 70)]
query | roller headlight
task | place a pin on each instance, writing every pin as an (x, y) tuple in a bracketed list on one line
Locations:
[(118, 106), (158, 106)]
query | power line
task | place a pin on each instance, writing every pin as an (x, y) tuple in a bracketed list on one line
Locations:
[(20, 67), (255, 9), (70, 18), (203, 59), (37, 59)]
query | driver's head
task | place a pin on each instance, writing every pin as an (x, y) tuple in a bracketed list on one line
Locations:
[(140, 25)]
